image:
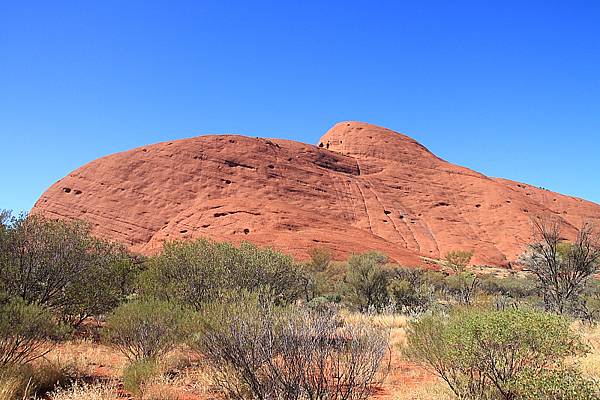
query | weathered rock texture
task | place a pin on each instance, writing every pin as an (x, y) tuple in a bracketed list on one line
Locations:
[(363, 188)]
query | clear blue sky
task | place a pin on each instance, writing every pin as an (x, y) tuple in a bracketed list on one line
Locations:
[(509, 88)]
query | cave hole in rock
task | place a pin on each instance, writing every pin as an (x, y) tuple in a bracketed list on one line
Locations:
[(386, 212), (205, 225), (67, 190), (477, 205), (183, 231), (77, 192), (246, 231), (270, 166)]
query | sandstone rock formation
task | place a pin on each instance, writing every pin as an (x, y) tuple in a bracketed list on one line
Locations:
[(362, 188)]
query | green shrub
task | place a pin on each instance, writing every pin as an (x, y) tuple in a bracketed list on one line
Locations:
[(367, 279), (512, 286), (481, 354), (146, 328), (139, 373), (562, 384), (26, 332), (410, 298), (197, 272), (462, 287)]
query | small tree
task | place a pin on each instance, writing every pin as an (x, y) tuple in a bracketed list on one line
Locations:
[(562, 269), (462, 283), (146, 329), (61, 266), (458, 260), (320, 257), (367, 279)]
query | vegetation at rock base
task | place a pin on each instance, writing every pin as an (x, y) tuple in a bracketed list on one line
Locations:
[(252, 323)]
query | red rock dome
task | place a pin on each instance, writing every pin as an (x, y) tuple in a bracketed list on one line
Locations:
[(361, 188)]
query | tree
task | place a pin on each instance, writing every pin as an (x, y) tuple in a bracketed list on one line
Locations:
[(368, 280), (462, 283), (562, 269), (458, 260), (316, 277), (60, 265)]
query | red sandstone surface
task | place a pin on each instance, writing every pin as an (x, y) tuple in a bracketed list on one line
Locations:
[(366, 188)]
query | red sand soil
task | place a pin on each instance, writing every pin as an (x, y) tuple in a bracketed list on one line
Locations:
[(366, 188)]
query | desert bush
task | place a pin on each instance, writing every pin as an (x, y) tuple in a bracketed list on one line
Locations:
[(146, 328), (512, 286), (367, 279), (26, 332), (587, 306), (410, 298), (562, 269), (59, 265), (562, 384), (483, 354), (139, 373), (196, 272), (259, 351), (462, 287)]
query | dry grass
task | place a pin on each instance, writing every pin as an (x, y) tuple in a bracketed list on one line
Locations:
[(12, 386), (159, 388), (590, 364), (81, 391), (394, 322), (425, 391), (89, 358)]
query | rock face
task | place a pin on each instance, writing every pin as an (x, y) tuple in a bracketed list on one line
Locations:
[(362, 188)]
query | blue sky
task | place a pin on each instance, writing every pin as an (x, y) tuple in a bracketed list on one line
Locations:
[(509, 88)]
